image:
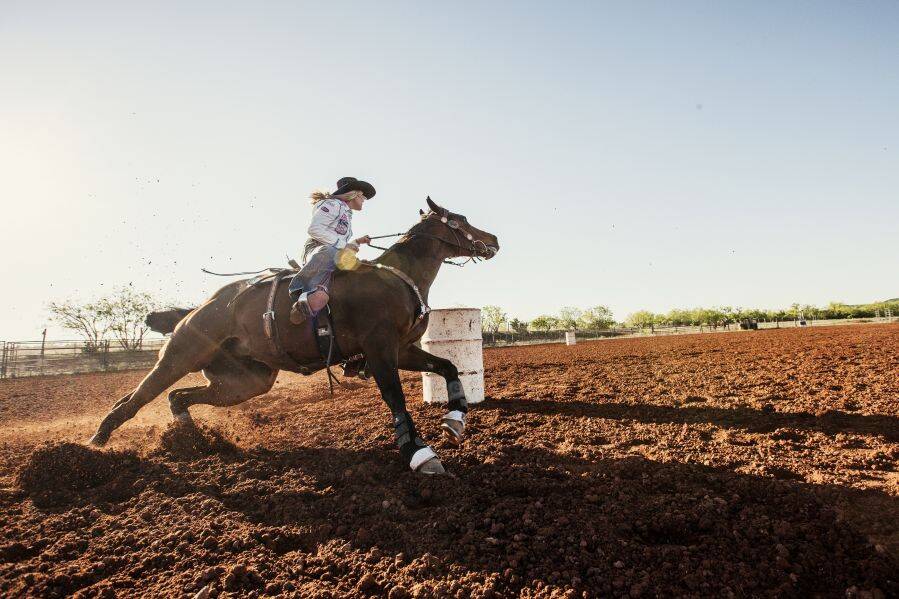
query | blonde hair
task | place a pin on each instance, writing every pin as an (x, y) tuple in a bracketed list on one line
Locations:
[(318, 195)]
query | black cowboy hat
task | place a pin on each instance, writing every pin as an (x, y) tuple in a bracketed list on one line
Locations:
[(348, 184)]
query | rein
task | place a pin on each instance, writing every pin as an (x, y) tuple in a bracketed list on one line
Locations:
[(234, 274), (454, 227)]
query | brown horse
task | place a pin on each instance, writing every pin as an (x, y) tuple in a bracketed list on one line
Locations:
[(376, 313)]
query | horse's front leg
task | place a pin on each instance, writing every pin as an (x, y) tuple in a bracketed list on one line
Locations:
[(453, 422), (382, 360)]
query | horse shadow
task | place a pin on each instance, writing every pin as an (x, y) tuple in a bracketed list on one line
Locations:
[(753, 420)]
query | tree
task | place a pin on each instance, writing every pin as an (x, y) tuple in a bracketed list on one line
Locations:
[(679, 318), (519, 326), (122, 314), (545, 322), (597, 318), (88, 320), (641, 319), (492, 317), (569, 317), (126, 311)]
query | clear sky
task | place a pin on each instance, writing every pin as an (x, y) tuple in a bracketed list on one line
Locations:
[(633, 154)]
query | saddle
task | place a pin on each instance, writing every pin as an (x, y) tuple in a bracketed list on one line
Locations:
[(322, 323), (322, 326)]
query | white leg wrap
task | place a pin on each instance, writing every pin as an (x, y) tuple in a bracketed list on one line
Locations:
[(455, 415), (421, 456)]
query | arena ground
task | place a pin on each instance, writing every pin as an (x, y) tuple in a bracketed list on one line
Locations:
[(747, 464)]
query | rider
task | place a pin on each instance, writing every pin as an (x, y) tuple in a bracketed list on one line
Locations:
[(330, 236)]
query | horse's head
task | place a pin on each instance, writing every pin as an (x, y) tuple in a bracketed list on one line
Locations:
[(456, 232)]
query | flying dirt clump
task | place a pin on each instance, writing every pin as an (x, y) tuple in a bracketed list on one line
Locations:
[(55, 470), (189, 440)]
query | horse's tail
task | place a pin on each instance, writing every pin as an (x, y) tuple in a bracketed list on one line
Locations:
[(165, 321)]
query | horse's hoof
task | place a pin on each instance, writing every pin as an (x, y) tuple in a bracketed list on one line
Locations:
[(432, 466), (99, 439), (182, 417), (453, 428), (453, 431), (426, 461)]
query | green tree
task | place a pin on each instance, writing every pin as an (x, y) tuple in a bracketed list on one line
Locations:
[(545, 322), (597, 318), (641, 319), (569, 317), (492, 317), (679, 318), (519, 326)]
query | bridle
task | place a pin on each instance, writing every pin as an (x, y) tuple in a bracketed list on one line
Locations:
[(463, 240)]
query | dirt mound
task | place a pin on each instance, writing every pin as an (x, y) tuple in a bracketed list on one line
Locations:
[(54, 471), (188, 440)]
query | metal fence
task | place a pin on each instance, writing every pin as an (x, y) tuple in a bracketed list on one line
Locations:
[(36, 358), (500, 338)]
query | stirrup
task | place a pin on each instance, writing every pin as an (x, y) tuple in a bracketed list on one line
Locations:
[(300, 310)]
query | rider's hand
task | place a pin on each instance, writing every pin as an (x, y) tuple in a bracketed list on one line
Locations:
[(364, 239)]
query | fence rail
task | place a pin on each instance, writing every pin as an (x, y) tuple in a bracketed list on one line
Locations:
[(500, 338), (36, 358)]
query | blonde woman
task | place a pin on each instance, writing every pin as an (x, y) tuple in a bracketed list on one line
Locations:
[(329, 232)]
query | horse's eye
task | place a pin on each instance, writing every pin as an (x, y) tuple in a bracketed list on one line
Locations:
[(453, 224)]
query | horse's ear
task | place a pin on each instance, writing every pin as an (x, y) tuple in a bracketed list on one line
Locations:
[(434, 206), (421, 212)]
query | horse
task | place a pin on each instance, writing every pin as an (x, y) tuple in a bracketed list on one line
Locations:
[(379, 310)]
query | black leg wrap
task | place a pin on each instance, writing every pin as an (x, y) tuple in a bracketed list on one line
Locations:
[(406, 436), (456, 396)]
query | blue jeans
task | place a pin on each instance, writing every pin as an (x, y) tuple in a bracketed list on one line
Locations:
[(316, 272)]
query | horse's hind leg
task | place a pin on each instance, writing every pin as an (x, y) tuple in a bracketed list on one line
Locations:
[(178, 358), (231, 381), (179, 412), (123, 400)]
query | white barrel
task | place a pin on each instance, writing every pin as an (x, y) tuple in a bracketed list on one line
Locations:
[(455, 334), (570, 338)]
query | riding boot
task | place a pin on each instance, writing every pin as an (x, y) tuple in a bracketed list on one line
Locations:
[(301, 310)]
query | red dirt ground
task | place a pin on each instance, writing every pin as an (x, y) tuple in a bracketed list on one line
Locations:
[(746, 464)]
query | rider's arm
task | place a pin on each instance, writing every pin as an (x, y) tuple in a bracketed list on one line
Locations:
[(324, 217)]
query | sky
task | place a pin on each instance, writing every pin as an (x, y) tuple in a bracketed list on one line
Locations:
[(639, 155)]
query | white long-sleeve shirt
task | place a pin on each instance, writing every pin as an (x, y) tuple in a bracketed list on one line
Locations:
[(332, 223)]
